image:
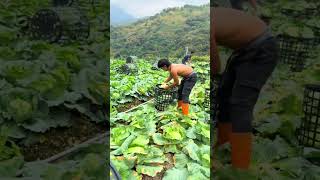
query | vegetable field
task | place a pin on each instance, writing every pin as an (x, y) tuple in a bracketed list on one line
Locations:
[(279, 110), (52, 95), (150, 144)]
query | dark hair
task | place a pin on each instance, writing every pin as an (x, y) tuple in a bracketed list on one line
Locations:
[(163, 62)]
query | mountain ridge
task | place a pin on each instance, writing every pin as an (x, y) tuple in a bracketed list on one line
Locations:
[(165, 34), (119, 16)]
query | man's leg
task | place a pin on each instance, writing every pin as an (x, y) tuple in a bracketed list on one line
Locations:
[(188, 85), (223, 96), (250, 77), (180, 94)]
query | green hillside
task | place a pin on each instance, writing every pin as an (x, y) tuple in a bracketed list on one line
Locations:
[(165, 34)]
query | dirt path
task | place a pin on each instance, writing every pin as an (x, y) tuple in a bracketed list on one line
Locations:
[(57, 140)]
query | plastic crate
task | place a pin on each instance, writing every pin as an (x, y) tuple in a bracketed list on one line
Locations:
[(163, 98), (295, 51), (316, 32), (84, 5), (62, 2), (214, 105), (128, 69), (59, 24), (206, 102), (304, 14), (309, 131)]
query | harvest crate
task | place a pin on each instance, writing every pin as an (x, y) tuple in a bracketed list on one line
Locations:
[(316, 32), (59, 24), (214, 106), (62, 2), (309, 131), (128, 69), (206, 102), (295, 51), (80, 4), (303, 14), (164, 97)]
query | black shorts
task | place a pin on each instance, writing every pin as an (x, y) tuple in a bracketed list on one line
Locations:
[(246, 72), (186, 86)]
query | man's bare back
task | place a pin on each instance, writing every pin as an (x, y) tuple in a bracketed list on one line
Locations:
[(180, 70), (234, 29)]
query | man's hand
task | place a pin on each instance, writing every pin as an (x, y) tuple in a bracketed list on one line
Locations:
[(164, 86)]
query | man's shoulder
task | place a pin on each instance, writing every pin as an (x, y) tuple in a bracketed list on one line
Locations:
[(174, 68)]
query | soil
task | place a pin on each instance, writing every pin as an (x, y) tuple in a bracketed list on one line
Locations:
[(167, 165), (60, 139)]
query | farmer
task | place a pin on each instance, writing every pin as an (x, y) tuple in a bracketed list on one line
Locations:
[(187, 83), (248, 68), (187, 58)]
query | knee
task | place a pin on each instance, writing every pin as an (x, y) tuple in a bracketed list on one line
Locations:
[(241, 109)]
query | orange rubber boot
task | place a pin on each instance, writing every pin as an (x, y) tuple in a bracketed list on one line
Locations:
[(241, 150), (223, 133), (185, 109), (179, 104)]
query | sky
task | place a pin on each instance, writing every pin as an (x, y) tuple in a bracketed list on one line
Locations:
[(143, 8)]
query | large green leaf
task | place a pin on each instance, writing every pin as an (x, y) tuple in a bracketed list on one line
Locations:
[(192, 150), (176, 174), (149, 170), (10, 167), (174, 131), (180, 160)]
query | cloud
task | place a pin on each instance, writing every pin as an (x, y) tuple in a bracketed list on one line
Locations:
[(142, 8)]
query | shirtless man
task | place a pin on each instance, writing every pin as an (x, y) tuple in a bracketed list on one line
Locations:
[(187, 83), (252, 62)]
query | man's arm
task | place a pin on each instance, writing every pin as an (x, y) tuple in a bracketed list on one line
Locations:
[(168, 79), (175, 77)]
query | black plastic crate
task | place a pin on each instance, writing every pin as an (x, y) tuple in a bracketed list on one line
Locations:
[(316, 32), (214, 105), (309, 131), (59, 24), (201, 78), (206, 102), (84, 5), (163, 98), (301, 15), (128, 69), (295, 51), (62, 2)]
